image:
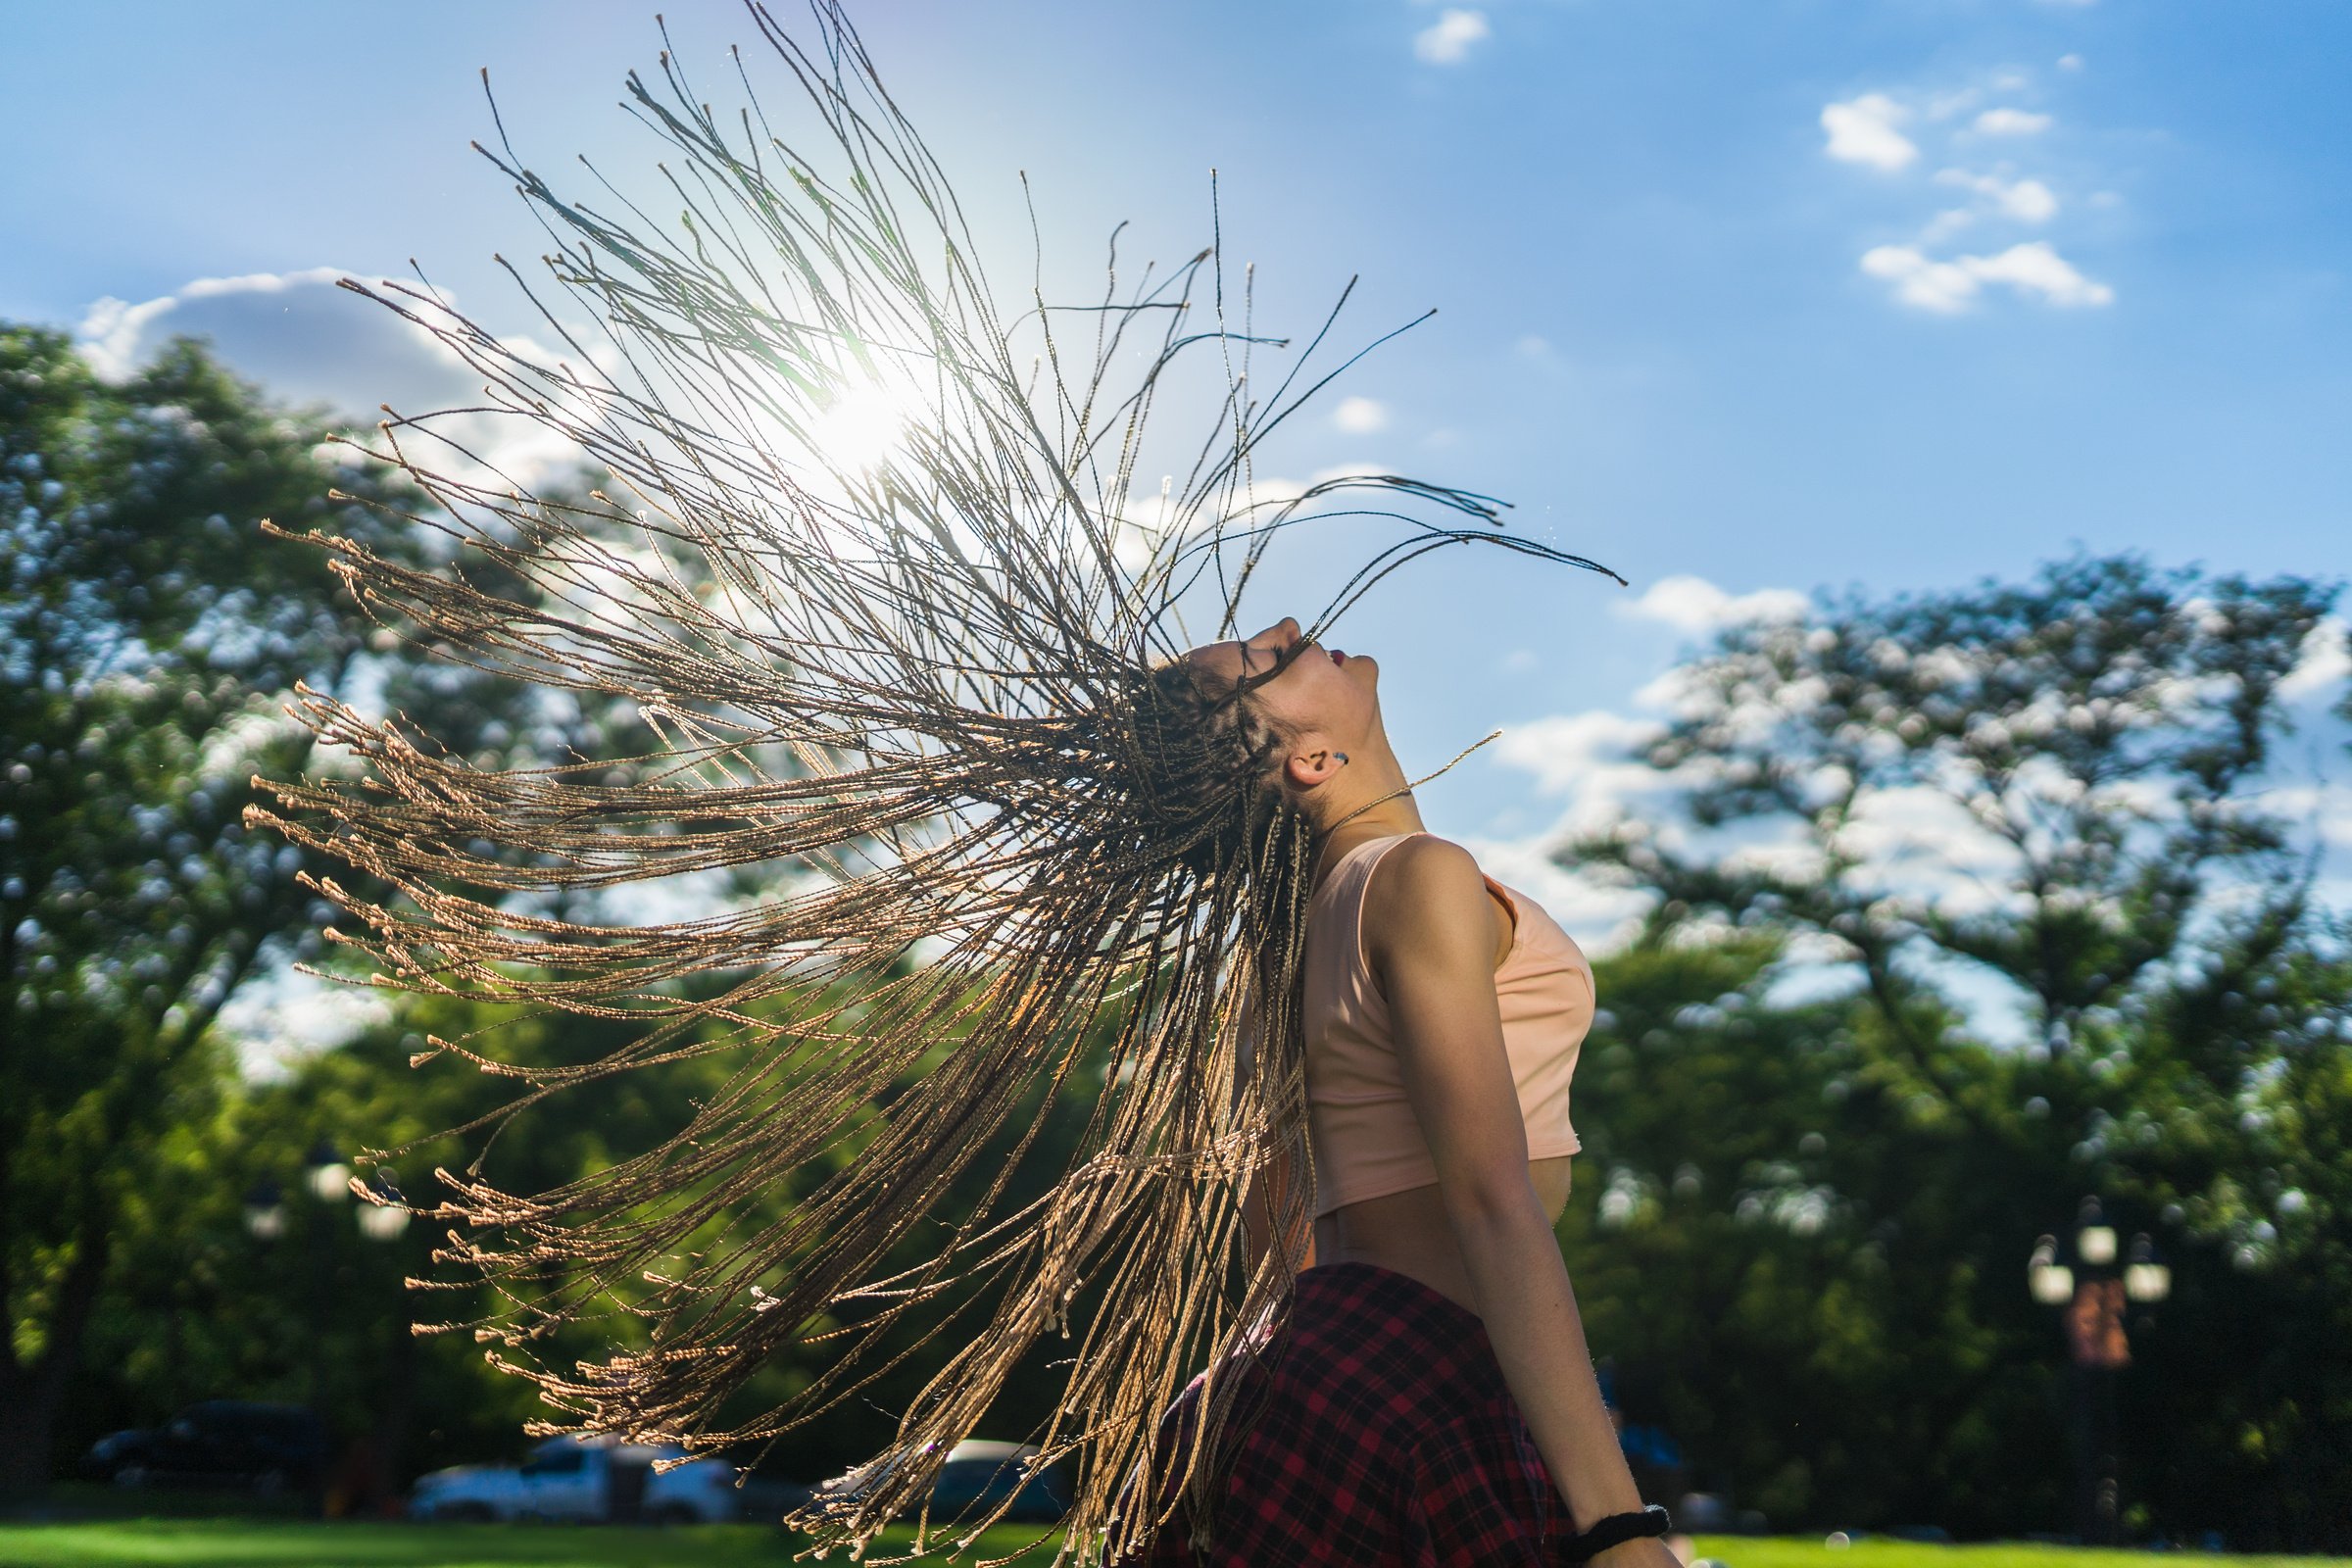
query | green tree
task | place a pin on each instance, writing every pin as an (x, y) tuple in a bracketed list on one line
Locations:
[(148, 630), (318, 1313), (151, 634), (1772, 1258), (2044, 798)]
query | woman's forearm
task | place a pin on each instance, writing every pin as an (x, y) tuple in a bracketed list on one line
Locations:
[(1530, 1312)]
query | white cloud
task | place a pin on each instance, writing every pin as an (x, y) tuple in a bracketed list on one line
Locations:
[(1944, 224), (2028, 201), (1593, 759), (1950, 286), (1694, 605), (285, 1016), (2069, 62), (2322, 669), (1862, 130), (1913, 841), (116, 337), (2035, 267), (1922, 844), (2324, 808), (1338, 470), (1942, 286), (1359, 415), (307, 341), (1596, 915), (1894, 131), (1571, 749), (1448, 40), (2012, 123)]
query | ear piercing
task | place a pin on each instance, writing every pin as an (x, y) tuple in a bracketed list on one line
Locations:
[(1343, 757)]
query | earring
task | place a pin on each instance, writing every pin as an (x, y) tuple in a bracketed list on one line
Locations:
[(1343, 757)]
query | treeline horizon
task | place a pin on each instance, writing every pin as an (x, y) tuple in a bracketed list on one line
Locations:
[(1800, 1227)]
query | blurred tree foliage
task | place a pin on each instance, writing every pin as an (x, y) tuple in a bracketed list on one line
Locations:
[(153, 635), (1811, 1238), (147, 630), (320, 1312), (1802, 1223)]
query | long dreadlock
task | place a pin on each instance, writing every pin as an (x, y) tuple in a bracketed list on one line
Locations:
[(940, 681)]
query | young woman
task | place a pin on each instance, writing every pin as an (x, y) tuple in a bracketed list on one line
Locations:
[(1429, 1397), (873, 563)]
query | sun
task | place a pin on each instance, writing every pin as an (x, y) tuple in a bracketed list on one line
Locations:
[(860, 433)]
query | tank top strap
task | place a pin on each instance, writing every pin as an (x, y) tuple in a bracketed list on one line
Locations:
[(1339, 904)]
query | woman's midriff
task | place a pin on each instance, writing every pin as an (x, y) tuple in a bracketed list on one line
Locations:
[(1408, 1232)]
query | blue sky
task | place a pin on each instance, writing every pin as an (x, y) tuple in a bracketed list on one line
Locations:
[(1741, 297)]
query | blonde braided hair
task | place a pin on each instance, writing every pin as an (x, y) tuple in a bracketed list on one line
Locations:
[(944, 683)]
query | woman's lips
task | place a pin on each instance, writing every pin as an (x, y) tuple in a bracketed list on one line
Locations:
[(1337, 657)]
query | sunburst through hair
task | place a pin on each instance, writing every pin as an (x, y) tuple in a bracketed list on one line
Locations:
[(932, 671)]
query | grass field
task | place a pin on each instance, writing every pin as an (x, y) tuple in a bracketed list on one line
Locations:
[(251, 1544)]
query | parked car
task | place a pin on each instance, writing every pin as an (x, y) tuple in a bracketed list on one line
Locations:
[(980, 1473), (977, 1475), (220, 1443), (603, 1480)]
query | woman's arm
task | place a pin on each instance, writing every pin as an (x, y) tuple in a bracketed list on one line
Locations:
[(1428, 932)]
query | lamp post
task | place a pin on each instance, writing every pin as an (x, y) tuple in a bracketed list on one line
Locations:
[(327, 1180), (384, 1216), (266, 1210), (325, 1173), (2082, 1274), (328, 1177)]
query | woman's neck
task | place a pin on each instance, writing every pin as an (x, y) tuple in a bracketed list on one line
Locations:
[(1380, 809)]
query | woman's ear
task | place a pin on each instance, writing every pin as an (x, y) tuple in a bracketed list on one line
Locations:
[(1303, 771)]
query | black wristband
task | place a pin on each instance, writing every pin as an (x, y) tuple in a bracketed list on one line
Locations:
[(1616, 1530)]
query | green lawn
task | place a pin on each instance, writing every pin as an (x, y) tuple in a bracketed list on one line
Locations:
[(256, 1544), (249, 1544), (1808, 1551)]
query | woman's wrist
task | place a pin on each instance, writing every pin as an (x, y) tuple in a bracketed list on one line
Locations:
[(1604, 1536)]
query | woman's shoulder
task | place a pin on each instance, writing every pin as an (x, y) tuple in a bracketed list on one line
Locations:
[(1432, 854), (1421, 877)]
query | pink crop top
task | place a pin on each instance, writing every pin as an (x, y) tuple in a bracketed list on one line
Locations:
[(1367, 1142)]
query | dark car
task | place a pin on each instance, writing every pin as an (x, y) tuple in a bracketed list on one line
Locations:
[(978, 1474), (220, 1443)]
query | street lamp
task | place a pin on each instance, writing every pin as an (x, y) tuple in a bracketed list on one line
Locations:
[(2145, 1278), (2051, 1282), (266, 1210), (328, 1176), (2081, 1275), (385, 1214)]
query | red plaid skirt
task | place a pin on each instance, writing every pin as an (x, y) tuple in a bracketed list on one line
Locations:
[(1377, 1433)]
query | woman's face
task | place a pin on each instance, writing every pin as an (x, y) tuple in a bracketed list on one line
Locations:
[(1323, 696)]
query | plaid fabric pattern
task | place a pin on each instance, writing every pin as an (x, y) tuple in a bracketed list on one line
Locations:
[(1384, 1436)]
